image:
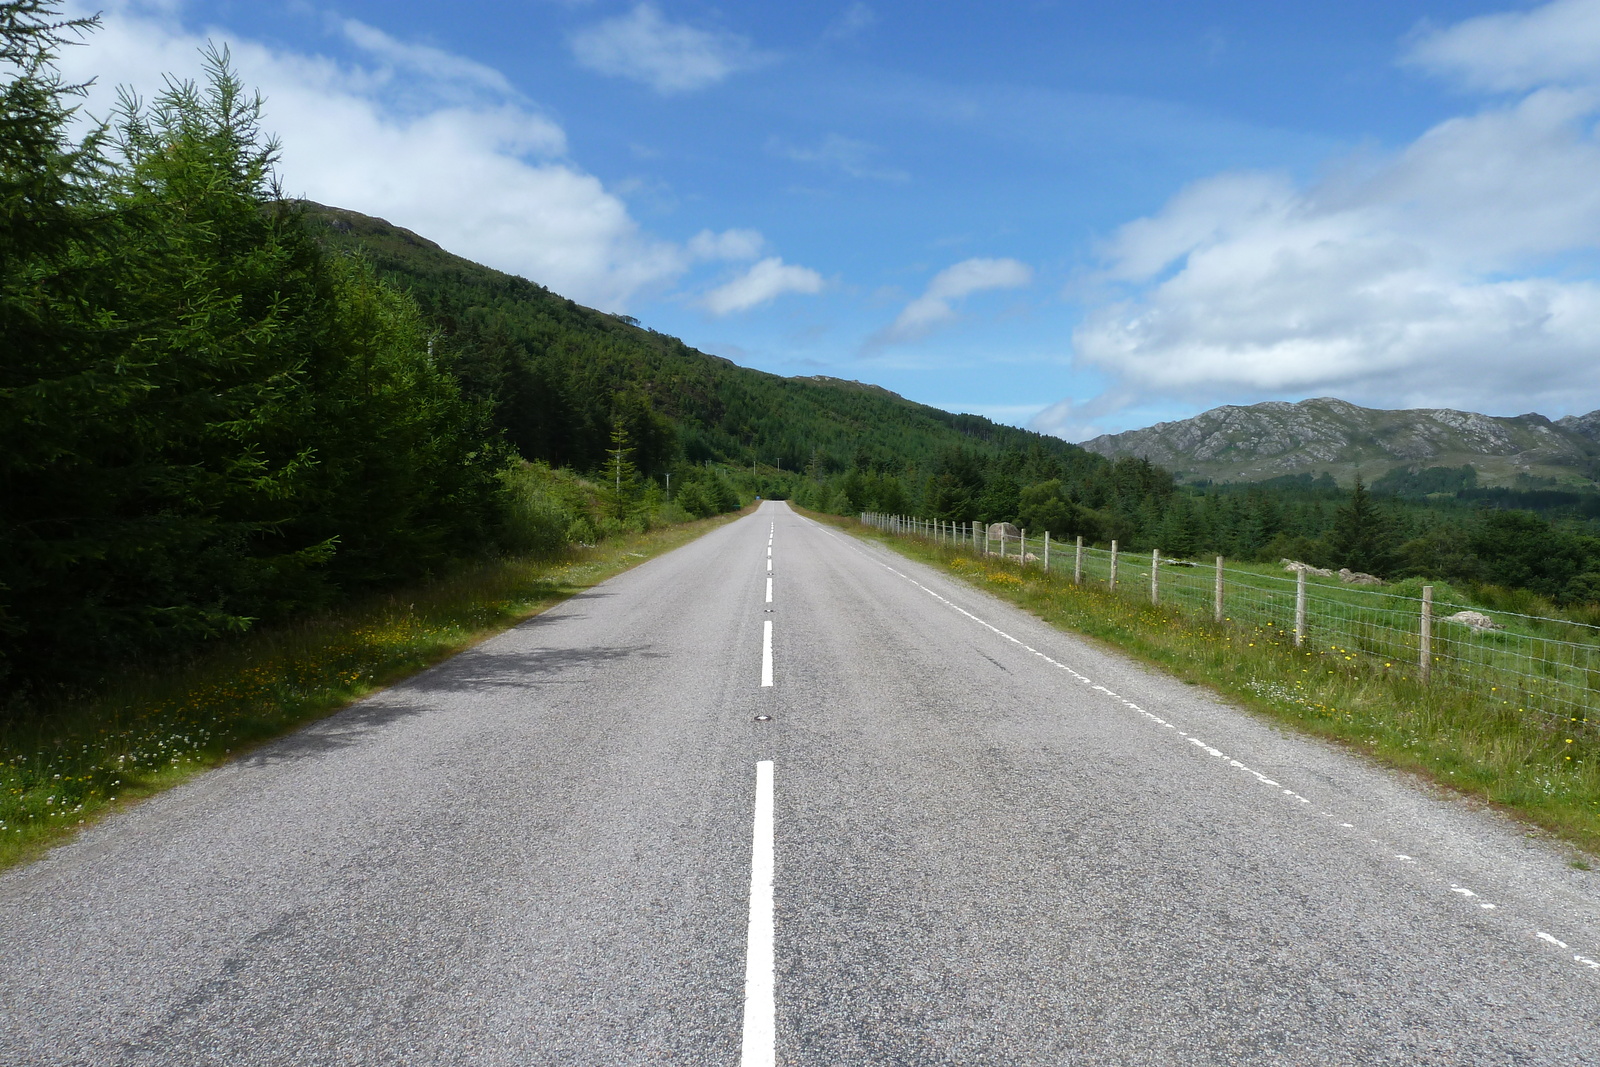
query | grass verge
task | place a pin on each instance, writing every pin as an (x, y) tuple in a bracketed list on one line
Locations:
[(64, 767), (1465, 740)]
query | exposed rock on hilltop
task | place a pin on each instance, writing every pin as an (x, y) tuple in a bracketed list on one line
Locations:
[(1325, 435)]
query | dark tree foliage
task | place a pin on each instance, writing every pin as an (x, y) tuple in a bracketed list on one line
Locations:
[(205, 420), (1528, 552), (559, 374), (1362, 537)]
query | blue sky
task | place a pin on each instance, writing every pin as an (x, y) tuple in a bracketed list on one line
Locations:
[(1078, 217)]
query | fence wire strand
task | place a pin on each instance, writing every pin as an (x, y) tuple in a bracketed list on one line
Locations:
[(1529, 664)]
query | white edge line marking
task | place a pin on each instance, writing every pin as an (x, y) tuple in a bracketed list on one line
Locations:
[(1546, 937), (766, 653), (760, 1045), (1584, 960)]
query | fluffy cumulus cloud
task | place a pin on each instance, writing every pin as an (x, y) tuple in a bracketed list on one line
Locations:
[(430, 141), (669, 57), (936, 306), (763, 282), (1458, 271)]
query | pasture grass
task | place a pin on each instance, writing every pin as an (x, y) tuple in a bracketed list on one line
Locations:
[(1464, 737), (62, 767)]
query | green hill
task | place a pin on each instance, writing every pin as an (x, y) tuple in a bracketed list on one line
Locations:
[(558, 374)]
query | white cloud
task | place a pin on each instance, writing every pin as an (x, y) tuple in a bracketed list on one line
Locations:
[(667, 56), (482, 174), (1557, 44), (433, 63), (852, 22), (1458, 271), (934, 307), (765, 281), (729, 244), (1068, 420), (846, 154)]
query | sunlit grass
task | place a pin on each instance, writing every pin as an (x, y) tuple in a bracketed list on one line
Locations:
[(1470, 739), (61, 767)]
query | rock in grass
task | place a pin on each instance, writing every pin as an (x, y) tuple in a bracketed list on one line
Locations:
[(1476, 621)]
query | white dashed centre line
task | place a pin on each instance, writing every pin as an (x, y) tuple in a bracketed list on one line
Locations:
[(766, 653), (760, 1006), (769, 590)]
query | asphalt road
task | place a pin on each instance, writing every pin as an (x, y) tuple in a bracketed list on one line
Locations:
[(992, 843)]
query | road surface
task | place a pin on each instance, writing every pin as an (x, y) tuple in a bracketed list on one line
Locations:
[(781, 796)]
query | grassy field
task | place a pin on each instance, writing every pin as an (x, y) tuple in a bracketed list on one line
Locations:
[(1542, 768), (63, 767)]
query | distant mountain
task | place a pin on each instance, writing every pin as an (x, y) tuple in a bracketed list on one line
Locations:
[(1269, 440)]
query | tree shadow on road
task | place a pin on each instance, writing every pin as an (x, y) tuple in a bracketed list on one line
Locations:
[(488, 669), (343, 729)]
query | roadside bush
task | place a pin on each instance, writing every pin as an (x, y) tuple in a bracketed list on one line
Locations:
[(537, 520)]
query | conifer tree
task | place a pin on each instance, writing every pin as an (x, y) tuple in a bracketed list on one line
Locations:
[(621, 475), (58, 366), (1363, 534)]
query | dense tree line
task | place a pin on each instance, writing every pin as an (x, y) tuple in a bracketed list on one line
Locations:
[(558, 376), (205, 418), (1433, 523)]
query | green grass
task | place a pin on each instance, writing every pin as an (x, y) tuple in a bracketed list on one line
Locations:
[(1543, 769), (63, 767)]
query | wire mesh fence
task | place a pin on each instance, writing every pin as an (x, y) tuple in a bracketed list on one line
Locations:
[(1528, 665)]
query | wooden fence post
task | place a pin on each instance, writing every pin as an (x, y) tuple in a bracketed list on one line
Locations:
[(1111, 583), (1155, 583), (1425, 656), (1077, 563), (1047, 551), (1217, 606), (1299, 607)]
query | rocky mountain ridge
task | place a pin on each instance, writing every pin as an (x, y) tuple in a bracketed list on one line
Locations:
[(1276, 438)]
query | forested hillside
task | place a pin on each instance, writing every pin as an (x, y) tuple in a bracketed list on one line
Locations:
[(558, 375)]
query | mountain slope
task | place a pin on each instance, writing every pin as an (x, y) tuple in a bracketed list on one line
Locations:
[(559, 374), (1325, 435)]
